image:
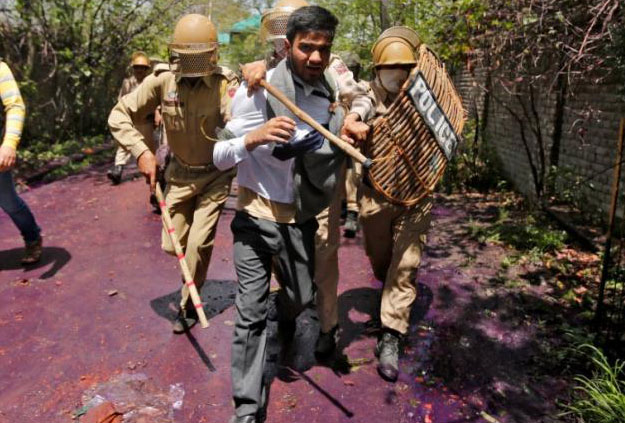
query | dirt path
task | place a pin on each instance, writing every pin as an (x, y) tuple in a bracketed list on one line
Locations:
[(96, 312)]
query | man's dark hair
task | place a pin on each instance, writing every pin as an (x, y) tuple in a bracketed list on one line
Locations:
[(309, 19)]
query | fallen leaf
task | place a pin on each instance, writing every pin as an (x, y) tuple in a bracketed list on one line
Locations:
[(359, 361)]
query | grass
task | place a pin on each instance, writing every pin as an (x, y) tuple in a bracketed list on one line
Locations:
[(601, 397), (530, 236)]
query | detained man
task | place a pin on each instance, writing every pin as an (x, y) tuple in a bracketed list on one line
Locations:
[(287, 174)]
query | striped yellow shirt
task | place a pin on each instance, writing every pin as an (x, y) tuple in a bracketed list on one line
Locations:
[(13, 107)]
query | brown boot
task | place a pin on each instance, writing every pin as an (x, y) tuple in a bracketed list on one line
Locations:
[(185, 320), (33, 252)]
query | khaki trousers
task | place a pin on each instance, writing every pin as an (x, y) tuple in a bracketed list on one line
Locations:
[(195, 200), (353, 178), (123, 156), (394, 237), (327, 241)]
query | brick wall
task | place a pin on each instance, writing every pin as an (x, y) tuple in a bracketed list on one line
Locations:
[(591, 117)]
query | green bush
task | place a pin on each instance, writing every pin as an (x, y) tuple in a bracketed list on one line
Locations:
[(475, 165), (601, 397)]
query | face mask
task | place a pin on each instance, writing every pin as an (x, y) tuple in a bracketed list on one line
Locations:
[(392, 79)]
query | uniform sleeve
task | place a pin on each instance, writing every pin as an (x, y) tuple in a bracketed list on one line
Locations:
[(227, 88), (133, 108), (351, 92), (14, 108)]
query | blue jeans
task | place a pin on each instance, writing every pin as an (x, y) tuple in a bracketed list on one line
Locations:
[(17, 209)]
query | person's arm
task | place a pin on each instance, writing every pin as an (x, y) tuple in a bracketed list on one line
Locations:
[(131, 108), (351, 92), (355, 96), (248, 129), (15, 112), (253, 73)]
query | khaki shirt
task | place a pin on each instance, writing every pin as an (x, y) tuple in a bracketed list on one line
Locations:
[(351, 93), (190, 113)]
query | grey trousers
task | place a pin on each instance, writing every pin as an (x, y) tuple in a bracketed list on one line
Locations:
[(260, 244)]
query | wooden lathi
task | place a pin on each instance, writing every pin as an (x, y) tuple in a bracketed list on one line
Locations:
[(411, 145)]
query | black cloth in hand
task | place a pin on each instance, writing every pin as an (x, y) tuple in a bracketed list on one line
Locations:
[(311, 142)]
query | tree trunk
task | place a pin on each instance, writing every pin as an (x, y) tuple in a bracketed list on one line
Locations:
[(385, 20)]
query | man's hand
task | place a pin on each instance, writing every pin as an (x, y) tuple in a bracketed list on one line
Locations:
[(354, 131), (7, 158), (147, 167), (253, 73), (279, 129)]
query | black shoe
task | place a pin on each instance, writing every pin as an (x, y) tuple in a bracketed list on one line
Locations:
[(351, 224), (326, 343), (286, 330), (387, 351), (115, 174), (185, 320), (243, 419), (156, 208)]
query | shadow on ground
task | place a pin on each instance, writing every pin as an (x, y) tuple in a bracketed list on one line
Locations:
[(289, 361), (491, 340), (56, 256), (217, 296)]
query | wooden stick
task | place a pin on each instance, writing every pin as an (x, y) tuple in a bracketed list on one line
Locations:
[(186, 274), (346, 147)]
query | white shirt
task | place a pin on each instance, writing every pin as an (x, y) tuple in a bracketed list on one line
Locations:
[(258, 170)]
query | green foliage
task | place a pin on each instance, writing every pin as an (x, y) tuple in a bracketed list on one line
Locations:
[(617, 49), (243, 48), (445, 25), (475, 165), (529, 236), (566, 186), (40, 153), (69, 58), (601, 397)]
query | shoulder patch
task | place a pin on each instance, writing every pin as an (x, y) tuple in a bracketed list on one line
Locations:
[(227, 73), (340, 68)]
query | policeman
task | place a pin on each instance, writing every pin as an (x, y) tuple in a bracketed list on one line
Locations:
[(140, 68), (394, 235), (327, 239), (195, 102)]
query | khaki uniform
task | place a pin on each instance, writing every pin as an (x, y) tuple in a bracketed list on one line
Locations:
[(196, 190), (328, 235), (394, 238), (353, 176), (146, 127)]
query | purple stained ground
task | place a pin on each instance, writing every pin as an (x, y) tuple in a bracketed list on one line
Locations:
[(98, 308)]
